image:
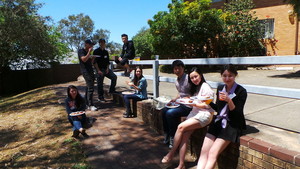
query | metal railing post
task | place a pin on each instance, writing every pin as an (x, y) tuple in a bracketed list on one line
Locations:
[(111, 65), (155, 67)]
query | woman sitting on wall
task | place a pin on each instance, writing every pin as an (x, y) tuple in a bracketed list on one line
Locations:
[(200, 116), (228, 124), (139, 83)]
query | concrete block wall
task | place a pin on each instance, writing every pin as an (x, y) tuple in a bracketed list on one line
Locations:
[(250, 153)]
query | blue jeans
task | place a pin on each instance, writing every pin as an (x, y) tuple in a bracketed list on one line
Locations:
[(89, 80), (171, 118), (100, 79), (78, 123), (127, 98)]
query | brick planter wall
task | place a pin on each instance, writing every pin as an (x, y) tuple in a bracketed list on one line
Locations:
[(250, 153)]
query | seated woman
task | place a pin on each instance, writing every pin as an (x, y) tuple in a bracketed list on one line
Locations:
[(230, 121), (200, 116), (139, 83), (75, 102)]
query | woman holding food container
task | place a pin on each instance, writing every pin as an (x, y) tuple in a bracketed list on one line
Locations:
[(200, 116), (75, 107), (139, 84), (228, 124)]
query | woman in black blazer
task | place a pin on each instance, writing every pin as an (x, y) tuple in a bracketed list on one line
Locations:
[(230, 121)]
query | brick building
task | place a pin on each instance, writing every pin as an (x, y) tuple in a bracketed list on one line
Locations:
[(281, 28)]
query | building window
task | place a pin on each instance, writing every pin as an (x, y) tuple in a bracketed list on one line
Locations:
[(267, 28)]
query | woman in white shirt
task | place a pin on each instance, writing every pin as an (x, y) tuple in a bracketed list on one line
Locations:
[(200, 116)]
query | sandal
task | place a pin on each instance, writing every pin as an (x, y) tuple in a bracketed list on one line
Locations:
[(166, 160)]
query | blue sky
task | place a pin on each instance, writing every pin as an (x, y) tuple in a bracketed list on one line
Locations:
[(117, 16)]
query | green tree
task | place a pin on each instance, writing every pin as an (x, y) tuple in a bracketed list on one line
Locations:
[(143, 43), (185, 29), (26, 39), (101, 34), (241, 30), (75, 29), (113, 47)]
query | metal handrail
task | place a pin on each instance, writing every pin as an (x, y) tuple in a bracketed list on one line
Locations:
[(256, 89)]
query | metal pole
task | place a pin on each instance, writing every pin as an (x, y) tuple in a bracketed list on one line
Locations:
[(111, 65), (155, 77)]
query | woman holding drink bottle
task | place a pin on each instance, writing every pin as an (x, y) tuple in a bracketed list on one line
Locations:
[(228, 124)]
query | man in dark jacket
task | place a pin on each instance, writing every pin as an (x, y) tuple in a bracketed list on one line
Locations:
[(101, 63), (128, 52)]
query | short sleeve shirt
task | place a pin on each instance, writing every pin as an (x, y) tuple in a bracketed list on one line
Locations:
[(85, 66), (182, 85)]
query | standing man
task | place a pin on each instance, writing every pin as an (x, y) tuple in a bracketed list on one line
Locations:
[(101, 63), (171, 117), (128, 52), (85, 62)]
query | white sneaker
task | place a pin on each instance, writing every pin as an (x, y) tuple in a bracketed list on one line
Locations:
[(93, 108)]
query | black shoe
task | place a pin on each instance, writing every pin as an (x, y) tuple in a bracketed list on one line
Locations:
[(85, 135), (133, 115), (166, 139), (75, 134)]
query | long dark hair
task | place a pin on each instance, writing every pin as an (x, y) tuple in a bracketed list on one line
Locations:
[(78, 98), (135, 78), (196, 88)]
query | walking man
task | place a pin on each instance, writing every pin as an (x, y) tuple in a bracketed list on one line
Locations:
[(85, 62), (101, 63)]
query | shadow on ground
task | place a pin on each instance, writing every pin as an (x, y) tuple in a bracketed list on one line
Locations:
[(294, 75)]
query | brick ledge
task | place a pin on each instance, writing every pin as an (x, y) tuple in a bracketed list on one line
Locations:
[(270, 149)]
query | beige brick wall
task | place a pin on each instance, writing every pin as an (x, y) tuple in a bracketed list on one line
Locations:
[(285, 31)]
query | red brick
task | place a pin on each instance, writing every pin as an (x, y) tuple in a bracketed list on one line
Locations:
[(297, 160), (244, 140), (260, 146), (283, 154)]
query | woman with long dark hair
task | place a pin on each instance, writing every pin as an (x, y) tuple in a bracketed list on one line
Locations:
[(200, 116), (228, 124), (74, 103), (139, 84)]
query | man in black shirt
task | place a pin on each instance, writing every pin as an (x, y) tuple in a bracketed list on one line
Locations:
[(128, 52), (85, 62), (101, 63)]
